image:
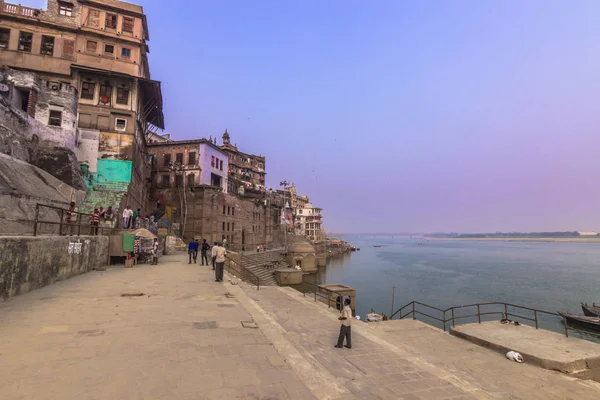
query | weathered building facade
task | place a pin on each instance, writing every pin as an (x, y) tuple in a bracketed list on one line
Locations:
[(246, 171), (98, 48)]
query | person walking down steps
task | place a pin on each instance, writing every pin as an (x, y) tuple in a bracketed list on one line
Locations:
[(345, 329)]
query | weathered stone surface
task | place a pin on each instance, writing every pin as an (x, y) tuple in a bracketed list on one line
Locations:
[(29, 263)]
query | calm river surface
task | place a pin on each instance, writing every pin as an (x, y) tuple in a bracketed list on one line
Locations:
[(547, 276)]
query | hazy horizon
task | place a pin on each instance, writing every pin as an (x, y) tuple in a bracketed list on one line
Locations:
[(397, 116)]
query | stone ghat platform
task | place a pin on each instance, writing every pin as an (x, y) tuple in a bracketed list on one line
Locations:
[(189, 337), (539, 347)]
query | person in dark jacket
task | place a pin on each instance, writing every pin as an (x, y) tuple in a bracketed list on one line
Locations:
[(204, 252)]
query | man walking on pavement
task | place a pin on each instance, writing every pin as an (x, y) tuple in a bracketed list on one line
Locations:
[(204, 252), (220, 263), (345, 329), (213, 253), (193, 250)]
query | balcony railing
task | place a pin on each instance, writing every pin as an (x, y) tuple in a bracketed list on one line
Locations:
[(19, 10)]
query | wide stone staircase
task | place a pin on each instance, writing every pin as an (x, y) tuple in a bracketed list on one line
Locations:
[(263, 265), (104, 194)]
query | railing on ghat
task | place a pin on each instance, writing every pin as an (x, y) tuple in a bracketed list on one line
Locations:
[(449, 315), (68, 228), (244, 274), (316, 293)]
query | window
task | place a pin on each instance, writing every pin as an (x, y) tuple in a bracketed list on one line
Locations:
[(221, 165), (4, 38), (191, 181), (191, 158), (109, 49), (94, 18), (164, 181), (179, 158), (65, 9), (122, 95), (126, 52), (228, 226), (111, 21), (128, 24), (217, 163), (120, 124), (223, 225), (91, 46), (224, 209), (68, 48), (87, 90), (105, 94), (178, 181), (47, 46), (299, 211), (24, 97), (55, 118), (167, 160), (25, 41), (233, 210), (233, 226)]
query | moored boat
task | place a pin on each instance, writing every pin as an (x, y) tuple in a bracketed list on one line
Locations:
[(592, 323), (590, 311)]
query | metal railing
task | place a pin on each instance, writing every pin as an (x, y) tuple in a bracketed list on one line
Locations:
[(73, 227), (453, 317), (316, 293), (244, 274)]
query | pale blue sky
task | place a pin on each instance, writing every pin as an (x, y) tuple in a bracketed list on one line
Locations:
[(398, 115)]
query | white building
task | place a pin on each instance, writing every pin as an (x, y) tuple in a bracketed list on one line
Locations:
[(309, 221)]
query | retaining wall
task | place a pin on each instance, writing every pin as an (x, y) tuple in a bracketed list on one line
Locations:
[(28, 263)]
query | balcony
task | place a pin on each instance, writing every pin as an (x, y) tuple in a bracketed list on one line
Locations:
[(16, 9)]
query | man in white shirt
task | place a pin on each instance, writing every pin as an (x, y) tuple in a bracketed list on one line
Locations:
[(345, 329), (220, 263), (127, 213), (213, 254)]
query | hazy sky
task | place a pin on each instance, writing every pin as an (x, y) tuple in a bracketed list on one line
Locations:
[(398, 115)]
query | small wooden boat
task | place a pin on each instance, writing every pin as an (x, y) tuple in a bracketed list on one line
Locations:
[(590, 311), (591, 323), (377, 245), (373, 317)]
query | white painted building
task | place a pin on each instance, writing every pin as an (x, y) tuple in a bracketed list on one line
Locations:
[(309, 221)]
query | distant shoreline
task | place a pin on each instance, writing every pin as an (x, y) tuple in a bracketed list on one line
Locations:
[(565, 240)]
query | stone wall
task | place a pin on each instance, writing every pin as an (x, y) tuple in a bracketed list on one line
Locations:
[(29, 263)]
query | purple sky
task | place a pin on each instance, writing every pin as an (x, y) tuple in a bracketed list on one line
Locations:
[(398, 115)]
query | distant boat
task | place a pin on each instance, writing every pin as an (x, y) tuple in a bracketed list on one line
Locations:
[(377, 245), (420, 244), (592, 323), (590, 311)]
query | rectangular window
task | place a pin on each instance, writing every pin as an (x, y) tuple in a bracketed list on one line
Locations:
[(190, 180), (167, 160), (128, 24), (25, 41), (94, 18), (233, 226), (178, 181), (109, 49), (228, 226), (111, 21), (233, 210), (179, 158), (221, 165), (65, 9), (105, 94), (126, 52), (217, 163), (55, 118), (223, 226), (224, 209), (122, 95), (87, 90), (91, 46), (47, 46), (164, 181), (192, 158), (4, 38), (120, 124)]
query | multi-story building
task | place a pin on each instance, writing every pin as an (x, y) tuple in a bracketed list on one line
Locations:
[(99, 48), (188, 163), (246, 171), (309, 221)]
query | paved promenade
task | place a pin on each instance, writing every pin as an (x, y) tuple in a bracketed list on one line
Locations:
[(184, 339)]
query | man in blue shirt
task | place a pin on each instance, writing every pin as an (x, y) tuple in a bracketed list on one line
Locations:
[(193, 251)]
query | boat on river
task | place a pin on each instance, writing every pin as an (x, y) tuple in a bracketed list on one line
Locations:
[(590, 311), (591, 323), (377, 245)]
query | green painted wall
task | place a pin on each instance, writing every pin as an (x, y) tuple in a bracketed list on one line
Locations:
[(114, 171)]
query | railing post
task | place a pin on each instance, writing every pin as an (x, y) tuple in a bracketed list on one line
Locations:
[(258, 285), (316, 294), (413, 311), (444, 321), (536, 320), (453, 323), (566, 327), (505, 311), (35, 223), (478, 313)]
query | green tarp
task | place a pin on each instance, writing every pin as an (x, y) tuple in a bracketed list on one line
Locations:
[(128, 242)]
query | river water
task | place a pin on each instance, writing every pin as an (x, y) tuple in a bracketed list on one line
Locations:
[(546, 276)]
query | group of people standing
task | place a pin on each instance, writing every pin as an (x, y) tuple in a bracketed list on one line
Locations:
[(217, 252), (131, 219)]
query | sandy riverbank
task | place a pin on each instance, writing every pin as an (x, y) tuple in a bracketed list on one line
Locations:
[(565, 240)]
